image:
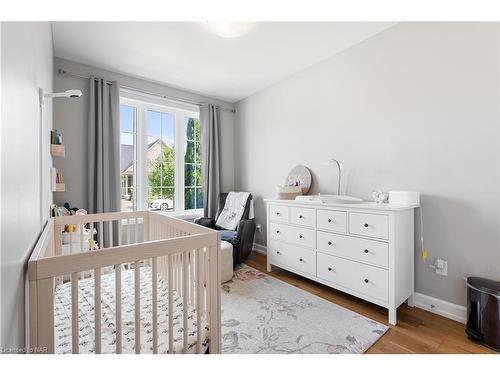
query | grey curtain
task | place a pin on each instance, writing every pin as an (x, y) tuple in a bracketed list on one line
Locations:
[(210, 145), (103, 147)]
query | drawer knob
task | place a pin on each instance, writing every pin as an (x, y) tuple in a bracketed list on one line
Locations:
[(277, 213), (301, 260), (329, 220), (366, 225), (301, 217), (366, 281), (301, 236), (330, 243), (278, 231), (366, 251), (278, 252), (330, 269)]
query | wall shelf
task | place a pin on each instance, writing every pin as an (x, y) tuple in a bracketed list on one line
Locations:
[(59, 188), (57, 150)]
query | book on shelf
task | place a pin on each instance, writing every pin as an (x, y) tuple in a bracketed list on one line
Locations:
[(56, 137), (56, 178)]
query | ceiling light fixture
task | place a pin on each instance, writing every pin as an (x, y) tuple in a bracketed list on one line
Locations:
[(229, 29)]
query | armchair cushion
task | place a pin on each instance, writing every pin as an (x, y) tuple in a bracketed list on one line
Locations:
[(230, 236), (206, 222)]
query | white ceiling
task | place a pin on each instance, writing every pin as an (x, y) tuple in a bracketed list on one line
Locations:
[(186, 55)]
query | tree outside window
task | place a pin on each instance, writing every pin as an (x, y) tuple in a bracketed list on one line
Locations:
[(193, 196)]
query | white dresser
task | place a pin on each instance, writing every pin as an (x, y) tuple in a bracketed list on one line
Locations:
[(365, 249)]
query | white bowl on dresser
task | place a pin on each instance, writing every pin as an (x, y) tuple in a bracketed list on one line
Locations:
[(364, 249)]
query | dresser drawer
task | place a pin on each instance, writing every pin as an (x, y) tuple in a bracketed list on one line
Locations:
[(278, 213), (289, 256), (370, 225), (335, 221), (368, 280), (294, 235), (279, 253), (303, 216), (368, 251)]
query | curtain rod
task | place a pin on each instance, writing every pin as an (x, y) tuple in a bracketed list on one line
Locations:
[(163, 96)]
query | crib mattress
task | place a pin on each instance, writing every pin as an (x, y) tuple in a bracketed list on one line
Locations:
[(62, 316)]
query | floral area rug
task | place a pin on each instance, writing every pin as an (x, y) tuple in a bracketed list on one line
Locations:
[(261, 314)]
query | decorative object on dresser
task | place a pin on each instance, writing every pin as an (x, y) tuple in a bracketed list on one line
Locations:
[(278, 318), (364, 249), (299, 176), (288, 192), (404, 197), (379, 196)]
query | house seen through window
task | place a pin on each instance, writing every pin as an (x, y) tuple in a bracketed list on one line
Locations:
[(160, 157)]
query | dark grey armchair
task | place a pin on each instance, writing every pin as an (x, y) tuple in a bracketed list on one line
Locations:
[(241, 238)]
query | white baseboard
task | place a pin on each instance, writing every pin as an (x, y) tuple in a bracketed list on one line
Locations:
[(437, 306), (259, 248)]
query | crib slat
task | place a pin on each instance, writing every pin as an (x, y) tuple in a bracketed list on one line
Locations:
[(137, 296), (213, 289), (174, 271), (185, 294), (154, 286), (128, 231), (56, 242), (110, 230), (71, 242), (136, 234), (145, 228), (170, 306), (118, 308), (199, 299), (204, 265), (177, 273), (101, 236), (120, 224), (191, 277), (91, 233), (97, 309), (81, 237), (75, 330)]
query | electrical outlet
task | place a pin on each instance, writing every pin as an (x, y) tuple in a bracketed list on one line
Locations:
[(441, 267), (258, 227)]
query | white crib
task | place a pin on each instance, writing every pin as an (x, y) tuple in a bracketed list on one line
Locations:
[(179, 263)]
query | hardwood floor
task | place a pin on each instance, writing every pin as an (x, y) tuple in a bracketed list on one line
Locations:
[(417, 331)]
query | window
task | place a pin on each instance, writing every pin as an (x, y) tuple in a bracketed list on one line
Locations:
[(160, 156)]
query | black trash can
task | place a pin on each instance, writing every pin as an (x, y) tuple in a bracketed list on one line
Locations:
[(483, 311)]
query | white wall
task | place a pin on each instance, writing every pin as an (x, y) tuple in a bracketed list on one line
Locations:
[(27, 64), (415, 107), (72, 119), (0, 181)]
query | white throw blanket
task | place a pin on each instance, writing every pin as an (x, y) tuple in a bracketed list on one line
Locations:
[(233, 210)]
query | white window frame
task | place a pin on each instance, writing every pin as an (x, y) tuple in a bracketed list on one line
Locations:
[(142, 104)]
